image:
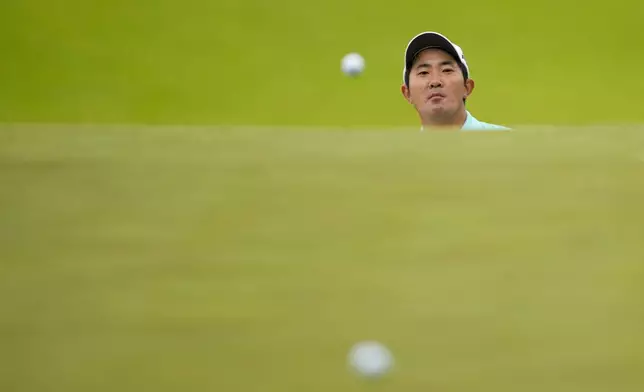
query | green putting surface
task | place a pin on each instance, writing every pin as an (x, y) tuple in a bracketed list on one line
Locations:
[(278, 62), (241, 259)]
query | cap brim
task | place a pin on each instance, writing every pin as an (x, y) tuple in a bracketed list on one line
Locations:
[(426, 41)]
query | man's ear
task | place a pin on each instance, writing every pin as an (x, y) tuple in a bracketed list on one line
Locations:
[(405, 92), (469, 87)]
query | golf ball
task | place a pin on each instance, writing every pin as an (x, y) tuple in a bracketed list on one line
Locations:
[(370, 359), (353, 64)]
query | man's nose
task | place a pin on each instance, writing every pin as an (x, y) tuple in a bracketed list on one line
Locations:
[(435, 83)]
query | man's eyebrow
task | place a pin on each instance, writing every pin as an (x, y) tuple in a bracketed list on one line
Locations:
[(442, 63)]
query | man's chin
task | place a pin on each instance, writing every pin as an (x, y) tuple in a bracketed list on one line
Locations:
[(436, 110)]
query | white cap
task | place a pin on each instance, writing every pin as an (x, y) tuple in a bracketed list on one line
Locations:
[(431, 39)]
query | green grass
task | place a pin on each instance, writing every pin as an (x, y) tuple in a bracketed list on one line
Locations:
[(278, 62), (240, 259)]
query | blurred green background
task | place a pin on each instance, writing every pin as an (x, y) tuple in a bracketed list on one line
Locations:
[(277, 62), (227, 258)]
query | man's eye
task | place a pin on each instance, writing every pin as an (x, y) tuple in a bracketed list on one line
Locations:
[(423, 73), (448, 70)]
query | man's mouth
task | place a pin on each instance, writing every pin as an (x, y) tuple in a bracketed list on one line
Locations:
[(435, 96)]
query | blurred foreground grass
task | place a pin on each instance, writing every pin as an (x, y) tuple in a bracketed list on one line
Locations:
[(221, 259)]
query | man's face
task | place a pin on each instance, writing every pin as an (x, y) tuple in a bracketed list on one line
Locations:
[(436, 85)]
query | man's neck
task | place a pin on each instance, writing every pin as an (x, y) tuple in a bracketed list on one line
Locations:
[(455, 121)]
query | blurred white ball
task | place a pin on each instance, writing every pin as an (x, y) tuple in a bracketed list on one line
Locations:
[(353, 64), (370, 359)]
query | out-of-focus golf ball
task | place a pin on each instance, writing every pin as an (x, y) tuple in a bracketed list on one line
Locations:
[(353, 64), (370, 359)]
